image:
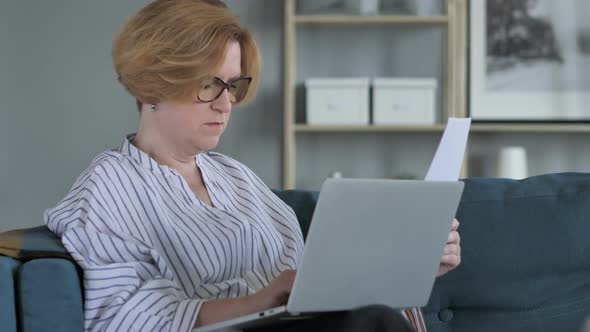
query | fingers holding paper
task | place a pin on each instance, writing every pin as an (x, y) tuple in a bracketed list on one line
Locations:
[(451, 257)]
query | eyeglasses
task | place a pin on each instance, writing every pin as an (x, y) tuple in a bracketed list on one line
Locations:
[(237, 88)]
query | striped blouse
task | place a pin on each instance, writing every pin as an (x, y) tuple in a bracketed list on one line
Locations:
[(152, 252)]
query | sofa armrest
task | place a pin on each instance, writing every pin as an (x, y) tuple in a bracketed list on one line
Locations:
[(49, 296), (8, 268)]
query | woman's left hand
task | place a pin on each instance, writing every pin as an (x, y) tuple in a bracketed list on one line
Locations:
[(451, 257)]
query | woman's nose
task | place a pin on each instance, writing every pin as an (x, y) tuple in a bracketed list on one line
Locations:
[(223, 102)]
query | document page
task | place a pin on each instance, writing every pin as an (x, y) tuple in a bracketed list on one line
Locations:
[(447, 161)]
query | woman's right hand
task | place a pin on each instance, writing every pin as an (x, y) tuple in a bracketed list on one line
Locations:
[(273, 295), (278, 291)]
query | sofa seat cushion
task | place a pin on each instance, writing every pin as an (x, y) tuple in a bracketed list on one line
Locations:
[(50, 296), (525, 257), (8, 318)]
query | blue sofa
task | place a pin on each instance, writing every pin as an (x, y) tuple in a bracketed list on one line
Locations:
[(526, 264)]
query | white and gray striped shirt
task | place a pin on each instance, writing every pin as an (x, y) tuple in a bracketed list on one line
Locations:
[(152, 252)]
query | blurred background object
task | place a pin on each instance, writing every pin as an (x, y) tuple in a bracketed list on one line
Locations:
[(512, 163)]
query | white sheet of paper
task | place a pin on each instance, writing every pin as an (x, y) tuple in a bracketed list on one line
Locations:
[(447, 161)]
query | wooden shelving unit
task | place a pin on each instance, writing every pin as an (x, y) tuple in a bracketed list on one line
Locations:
[(454, 79)]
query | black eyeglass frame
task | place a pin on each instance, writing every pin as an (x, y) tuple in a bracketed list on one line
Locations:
[(227, 86)]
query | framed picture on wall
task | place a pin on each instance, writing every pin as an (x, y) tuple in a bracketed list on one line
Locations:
[(529, 60)]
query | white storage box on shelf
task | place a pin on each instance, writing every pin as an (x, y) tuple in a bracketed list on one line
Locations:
[(337, 101), (404, 101)]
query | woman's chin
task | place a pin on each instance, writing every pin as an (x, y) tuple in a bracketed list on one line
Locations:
[(209, 144)]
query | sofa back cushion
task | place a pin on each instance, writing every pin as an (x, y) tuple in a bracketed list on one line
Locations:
[(525, 257), (303, 204)]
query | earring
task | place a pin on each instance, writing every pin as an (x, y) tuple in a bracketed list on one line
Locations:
[(153, 108)]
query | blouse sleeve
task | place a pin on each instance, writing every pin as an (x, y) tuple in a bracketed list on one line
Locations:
[(127, 285)]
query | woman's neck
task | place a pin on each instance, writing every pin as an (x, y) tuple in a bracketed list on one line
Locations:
[(164, 153)]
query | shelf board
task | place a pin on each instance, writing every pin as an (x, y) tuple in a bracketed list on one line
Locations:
[(377, 19), (476, 127), (367, 128), (531, 127)]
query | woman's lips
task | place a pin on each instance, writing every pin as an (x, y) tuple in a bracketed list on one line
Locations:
[(214, 124)]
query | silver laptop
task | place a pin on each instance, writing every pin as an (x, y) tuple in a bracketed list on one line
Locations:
[(370, 242)]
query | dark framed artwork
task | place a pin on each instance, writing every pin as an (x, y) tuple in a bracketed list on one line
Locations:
[(529, 60)]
